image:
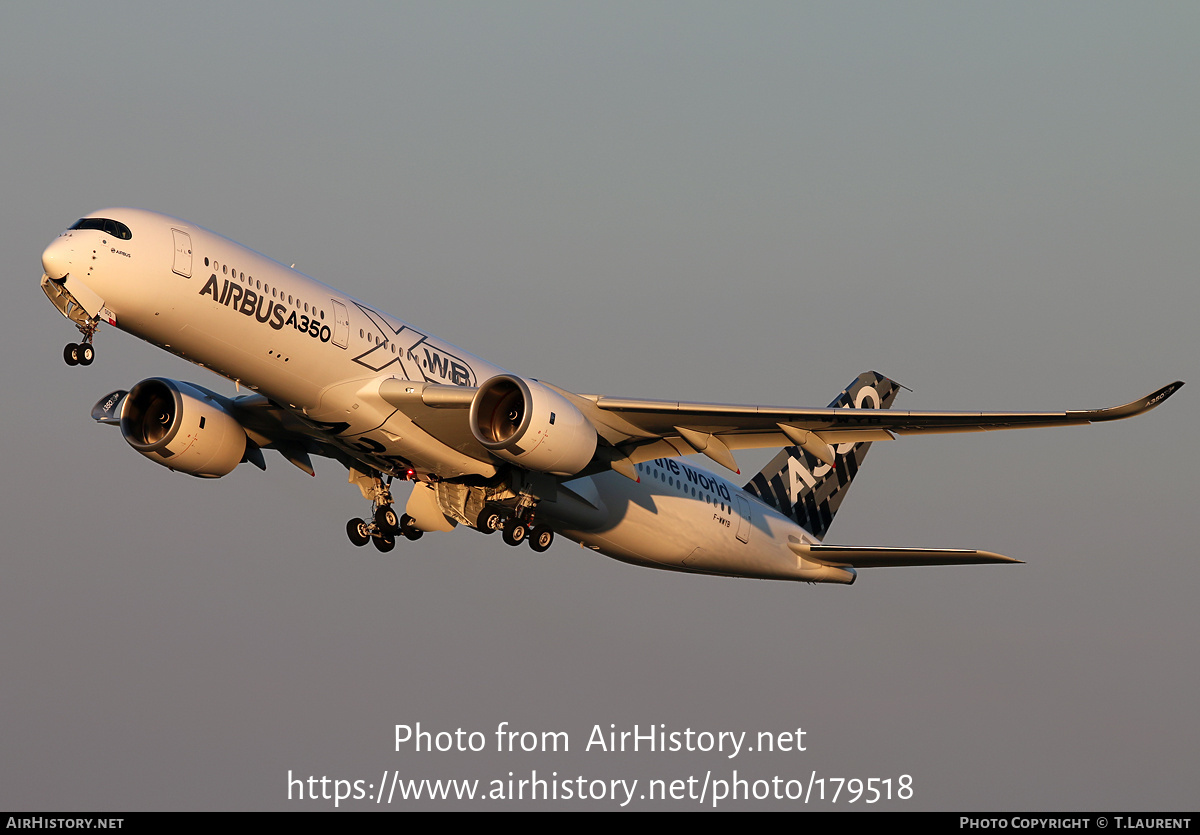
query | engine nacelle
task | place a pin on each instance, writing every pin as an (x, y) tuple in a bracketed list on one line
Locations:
[(182, 427), (529, 424)]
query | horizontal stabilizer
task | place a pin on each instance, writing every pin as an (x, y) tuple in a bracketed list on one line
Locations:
[(885, 557)]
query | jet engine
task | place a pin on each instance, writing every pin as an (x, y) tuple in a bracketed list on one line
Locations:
[(183, 427), (529, 424)]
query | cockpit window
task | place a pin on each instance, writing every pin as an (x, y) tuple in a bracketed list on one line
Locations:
[(111, 227)]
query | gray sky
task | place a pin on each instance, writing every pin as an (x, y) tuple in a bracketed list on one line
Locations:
[(995, 204)]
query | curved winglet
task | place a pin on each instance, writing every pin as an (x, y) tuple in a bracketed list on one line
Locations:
[(1143, 404)]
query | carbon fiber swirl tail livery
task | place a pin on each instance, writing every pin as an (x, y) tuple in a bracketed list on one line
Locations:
[(799, 485)]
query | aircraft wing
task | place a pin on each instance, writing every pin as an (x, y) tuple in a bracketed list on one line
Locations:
[(641, 430), (648, 429)]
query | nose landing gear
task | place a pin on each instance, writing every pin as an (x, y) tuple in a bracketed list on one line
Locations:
[(82, 353), (79, 353), (76, 353)]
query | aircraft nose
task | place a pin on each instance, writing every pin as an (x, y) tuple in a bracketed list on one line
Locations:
[(56, 259)]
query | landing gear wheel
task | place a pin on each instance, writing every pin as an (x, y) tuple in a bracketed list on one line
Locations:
[(541, 538), (489, 521), (86, 353), (408, 527), (384, 542), (515, 531), (356, 529), (386, 518), (71, 354)]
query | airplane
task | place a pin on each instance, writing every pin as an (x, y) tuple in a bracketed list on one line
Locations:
[(331, 376)]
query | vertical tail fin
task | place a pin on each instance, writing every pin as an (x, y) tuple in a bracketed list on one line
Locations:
[(808, 490)]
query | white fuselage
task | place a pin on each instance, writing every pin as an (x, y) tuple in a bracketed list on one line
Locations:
[(319, 352)]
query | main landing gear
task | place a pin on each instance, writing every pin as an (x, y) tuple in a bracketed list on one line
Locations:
[(385, 524), (383, 530), (516, 528), (514, 519)]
